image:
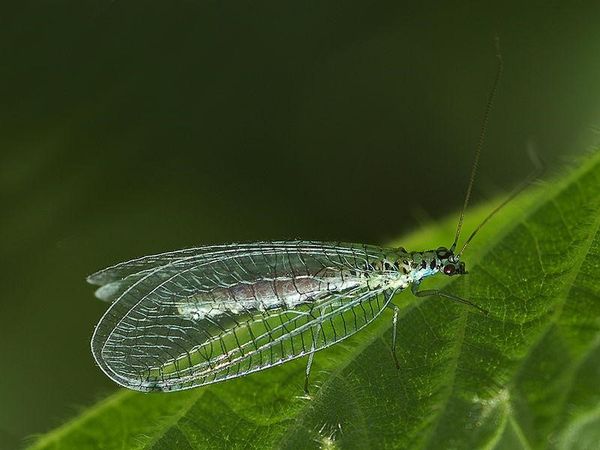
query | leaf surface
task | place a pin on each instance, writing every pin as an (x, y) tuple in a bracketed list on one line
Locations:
[(524, 376)]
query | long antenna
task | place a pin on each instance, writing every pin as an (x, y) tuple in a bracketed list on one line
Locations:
[(484, 125), (537, 171)]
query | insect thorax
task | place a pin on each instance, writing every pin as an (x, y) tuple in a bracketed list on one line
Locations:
[(401, 268)]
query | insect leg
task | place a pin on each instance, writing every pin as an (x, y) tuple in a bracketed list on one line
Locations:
[(456, 298), (395, 326), (311, 356)]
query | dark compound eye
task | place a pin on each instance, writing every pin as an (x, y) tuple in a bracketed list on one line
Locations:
[(449, 269)]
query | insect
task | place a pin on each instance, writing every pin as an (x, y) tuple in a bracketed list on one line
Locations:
[(202, 315)]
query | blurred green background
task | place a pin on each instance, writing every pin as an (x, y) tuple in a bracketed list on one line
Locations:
[(129, 128)]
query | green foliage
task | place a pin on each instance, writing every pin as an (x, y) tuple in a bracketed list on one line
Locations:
[(524, 376)]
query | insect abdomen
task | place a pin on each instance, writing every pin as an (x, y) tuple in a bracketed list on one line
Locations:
[(265, 294)]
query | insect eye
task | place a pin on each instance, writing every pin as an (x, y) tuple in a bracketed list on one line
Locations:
[(449, 269)]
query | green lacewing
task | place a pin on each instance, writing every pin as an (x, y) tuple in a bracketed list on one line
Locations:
[(197, 316)]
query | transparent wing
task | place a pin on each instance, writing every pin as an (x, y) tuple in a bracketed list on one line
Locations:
[(115, 280), (196, 317)]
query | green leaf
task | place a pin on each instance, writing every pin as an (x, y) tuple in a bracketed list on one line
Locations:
[(525, 376)]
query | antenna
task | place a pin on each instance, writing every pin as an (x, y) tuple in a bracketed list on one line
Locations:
[(537, 171), (484, 125)]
